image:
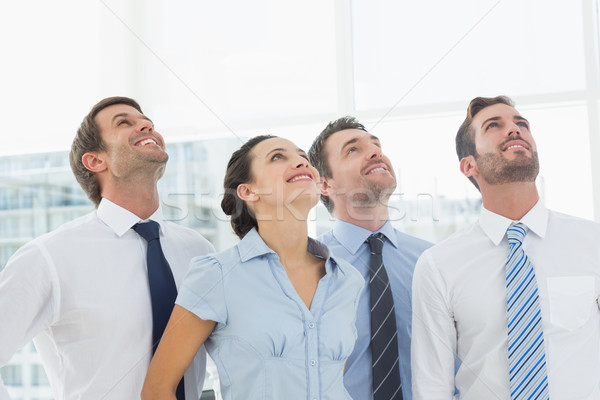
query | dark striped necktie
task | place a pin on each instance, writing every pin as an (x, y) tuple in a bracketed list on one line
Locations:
[(526, 353), (163, 291), (384, 342)]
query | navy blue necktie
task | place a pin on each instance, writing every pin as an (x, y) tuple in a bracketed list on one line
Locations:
[(384, 341), (163, 291)]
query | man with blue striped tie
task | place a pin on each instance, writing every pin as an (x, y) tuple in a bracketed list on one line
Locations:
[(513, 297)]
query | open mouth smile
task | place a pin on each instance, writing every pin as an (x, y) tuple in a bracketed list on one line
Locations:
[(300, 177), (375, 168), (146, 141)]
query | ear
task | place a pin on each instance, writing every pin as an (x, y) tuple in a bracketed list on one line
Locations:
[(244, 192), (468, 167), (93, 162), (325, 188)]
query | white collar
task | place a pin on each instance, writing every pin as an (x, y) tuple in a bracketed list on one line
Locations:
[(120, 220), (495, 225)]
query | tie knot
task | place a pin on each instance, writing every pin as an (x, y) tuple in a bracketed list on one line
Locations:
[(147, 230), (375, 242), (516, 233)]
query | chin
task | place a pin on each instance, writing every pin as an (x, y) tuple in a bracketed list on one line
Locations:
[(303, 203)]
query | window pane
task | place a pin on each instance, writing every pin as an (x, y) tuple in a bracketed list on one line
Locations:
[(11, 375), (38, 376), (262, 60), (562, 136), (514, 47)]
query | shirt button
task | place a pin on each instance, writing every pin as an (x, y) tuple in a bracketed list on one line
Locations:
[(313, 362), (311, 325)]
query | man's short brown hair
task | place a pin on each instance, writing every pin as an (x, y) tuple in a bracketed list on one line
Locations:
[(88, 139), (318, 155), (465, 137)]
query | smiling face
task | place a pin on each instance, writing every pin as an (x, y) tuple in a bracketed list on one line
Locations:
[(282, 177), (132, 144), (505, 149), (360, 171)]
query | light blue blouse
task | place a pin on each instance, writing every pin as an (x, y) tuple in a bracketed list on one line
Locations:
[(267, 344)]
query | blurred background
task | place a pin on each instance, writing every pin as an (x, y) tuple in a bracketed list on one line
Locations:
[(212, 74)]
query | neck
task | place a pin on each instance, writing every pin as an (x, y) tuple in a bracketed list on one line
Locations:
[(370, 217), (511, 200), (142, 201), (286, 235), (135, 192)]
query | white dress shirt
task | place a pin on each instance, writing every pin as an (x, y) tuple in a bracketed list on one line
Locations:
[(81, 292), (459, 308)]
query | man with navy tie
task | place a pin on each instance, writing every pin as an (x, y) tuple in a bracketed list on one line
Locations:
[(357, 181), (94, 294), (513, 297)]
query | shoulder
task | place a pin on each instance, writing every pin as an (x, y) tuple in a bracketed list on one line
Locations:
[(570, 222), (351, 276), (573, 230), (411, 242), (76, 230), (408, 248), (221, 260), (453, 247), (37, 257), (327, 238), (190, 237)]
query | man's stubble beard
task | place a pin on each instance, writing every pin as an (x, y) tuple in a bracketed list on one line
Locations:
[(496, 170), (372, 194)]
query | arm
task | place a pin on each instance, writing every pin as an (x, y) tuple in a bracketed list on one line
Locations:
[(184, 335), (433, 344), (29, 298)]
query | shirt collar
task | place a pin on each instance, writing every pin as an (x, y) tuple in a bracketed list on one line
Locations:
[(120, 220), (352, 236), (495, 225), (252, 245)]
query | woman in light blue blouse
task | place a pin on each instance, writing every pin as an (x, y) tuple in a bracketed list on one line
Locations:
[(276, 311)]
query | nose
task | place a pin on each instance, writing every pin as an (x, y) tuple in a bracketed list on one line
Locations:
[(374, 152), (144, 126), (302, 162), (513, 129)]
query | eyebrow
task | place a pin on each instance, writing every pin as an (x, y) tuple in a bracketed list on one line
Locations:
[(489, 120), (282, 150), (516, 117), (356, 139), (127, 115)]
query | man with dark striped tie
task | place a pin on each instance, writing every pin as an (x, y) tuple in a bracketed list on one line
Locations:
[(357, 181), (513, 297)]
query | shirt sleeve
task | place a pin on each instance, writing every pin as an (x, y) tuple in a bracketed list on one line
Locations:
[(28, 300), (202, 291), (433, 343)]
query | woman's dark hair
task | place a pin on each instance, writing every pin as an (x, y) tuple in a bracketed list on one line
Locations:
[(238, 172)]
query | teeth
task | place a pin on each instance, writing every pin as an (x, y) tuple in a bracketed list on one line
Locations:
[(147, 141), (514, 146), (376, 170), (299, 177)]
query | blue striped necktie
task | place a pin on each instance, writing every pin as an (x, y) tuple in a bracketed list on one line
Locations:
[(526, 353)]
